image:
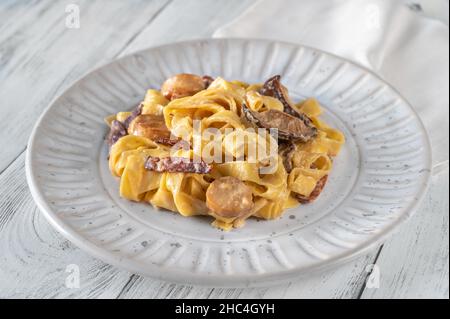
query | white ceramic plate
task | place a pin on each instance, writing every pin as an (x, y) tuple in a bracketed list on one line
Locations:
[(378, 179)]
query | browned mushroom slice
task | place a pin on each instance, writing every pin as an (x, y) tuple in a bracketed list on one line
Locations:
[(273, 87), (286, 151), (153, 127), (176, 165), (315, 193), (229, 197), (289, 127), (116, 131), (207, 80), (182, 85)]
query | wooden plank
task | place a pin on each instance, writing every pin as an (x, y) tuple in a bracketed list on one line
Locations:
[(40, 56), (12, 12), (34, 257), (343, 282), (414, 263), (195, 19)]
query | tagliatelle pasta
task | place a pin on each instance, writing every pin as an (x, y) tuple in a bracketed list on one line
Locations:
[(212, 124)]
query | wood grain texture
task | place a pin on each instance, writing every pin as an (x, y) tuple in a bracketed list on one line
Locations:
[(205, 16), (34, 256), (414, 262), (345, 281), (39, 58)]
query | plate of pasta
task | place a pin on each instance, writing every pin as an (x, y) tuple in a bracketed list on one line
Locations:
[(228, 162)]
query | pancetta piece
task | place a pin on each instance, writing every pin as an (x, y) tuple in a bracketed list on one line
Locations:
[(176, 165), (315, 193), (135, 113), (116, 131), (119, 129)]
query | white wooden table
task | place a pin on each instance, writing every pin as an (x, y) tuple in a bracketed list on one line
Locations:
[(40, 57)]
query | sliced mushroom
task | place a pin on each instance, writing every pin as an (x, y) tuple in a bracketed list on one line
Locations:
[(207, 80), (176, 165), (152, 127), (286, 151), (182, 85), (290, 128), (229, 197), (315, 193), (273, 87)]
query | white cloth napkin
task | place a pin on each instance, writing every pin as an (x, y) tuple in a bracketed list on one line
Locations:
[(409, 50)]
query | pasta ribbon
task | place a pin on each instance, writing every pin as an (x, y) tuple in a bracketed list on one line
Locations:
[(243, 153)]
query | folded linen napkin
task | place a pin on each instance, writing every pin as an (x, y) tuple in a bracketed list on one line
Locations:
[(409, 50)]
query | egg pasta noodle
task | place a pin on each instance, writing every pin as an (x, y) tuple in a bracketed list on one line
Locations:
[(185, 106)]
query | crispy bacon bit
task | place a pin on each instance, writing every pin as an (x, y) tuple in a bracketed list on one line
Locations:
[(176, 165), (315, 193), (117, 131), (166, 141)]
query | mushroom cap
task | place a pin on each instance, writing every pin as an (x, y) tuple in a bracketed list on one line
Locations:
[(290, 128), (273, 87)]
